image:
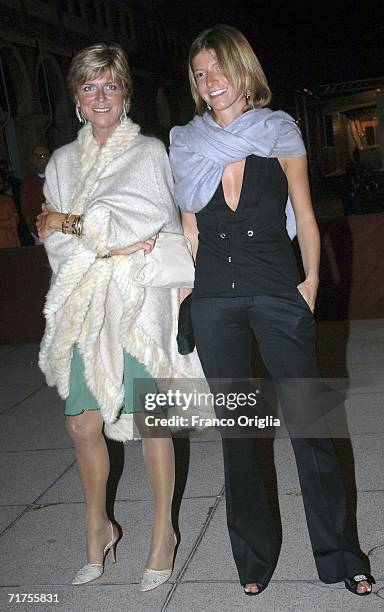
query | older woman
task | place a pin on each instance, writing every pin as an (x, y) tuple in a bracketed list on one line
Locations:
[(110, 188), (234, 165)]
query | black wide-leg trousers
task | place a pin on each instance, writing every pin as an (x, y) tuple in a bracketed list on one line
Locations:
[(284, 328)]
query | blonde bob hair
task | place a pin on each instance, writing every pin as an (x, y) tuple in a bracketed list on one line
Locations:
[(92, 61), (238, 62)]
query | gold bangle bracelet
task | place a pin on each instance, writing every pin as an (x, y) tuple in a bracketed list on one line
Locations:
[(65, 223), (72, 224), (77, 226), (80, 226)]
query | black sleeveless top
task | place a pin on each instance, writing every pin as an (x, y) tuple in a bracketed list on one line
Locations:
[(247, 251)]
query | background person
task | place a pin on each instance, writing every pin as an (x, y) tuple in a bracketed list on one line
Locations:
[(31, 192), (8, 215)]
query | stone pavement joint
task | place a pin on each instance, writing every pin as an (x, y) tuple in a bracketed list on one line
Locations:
[(204, 528)]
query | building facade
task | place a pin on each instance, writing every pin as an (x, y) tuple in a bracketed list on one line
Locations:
[(37, 41), (342, 123)]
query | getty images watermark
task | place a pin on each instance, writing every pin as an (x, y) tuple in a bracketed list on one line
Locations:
[(298, 407), (196, 401)]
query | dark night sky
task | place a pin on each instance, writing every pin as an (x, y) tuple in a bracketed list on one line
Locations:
[(299, 43)]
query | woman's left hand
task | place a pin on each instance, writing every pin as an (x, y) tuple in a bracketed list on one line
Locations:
[(183, 293), (308, 235), (308, 290), (145, 245), (48, 221)]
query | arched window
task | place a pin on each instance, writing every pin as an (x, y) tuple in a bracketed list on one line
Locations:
[(54, 100), (92, 14), (163, 112), (137, 110), (45, 92), (103, 14), (15, 88), (128, 25), (76, 7), (116, 21), (8, 100), (63, 4), (16, 102)]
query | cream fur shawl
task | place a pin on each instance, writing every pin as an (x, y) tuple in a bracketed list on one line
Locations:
[(125, 191)]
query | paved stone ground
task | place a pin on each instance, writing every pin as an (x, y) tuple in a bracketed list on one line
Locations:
[(42, 518)]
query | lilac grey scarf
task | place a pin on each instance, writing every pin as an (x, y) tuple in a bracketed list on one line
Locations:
[(200, 150)]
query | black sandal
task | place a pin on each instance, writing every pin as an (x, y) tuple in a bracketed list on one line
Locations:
[(352, 583), (261, 588)]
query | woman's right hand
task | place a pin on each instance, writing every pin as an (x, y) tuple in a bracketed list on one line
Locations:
[(145, 245)]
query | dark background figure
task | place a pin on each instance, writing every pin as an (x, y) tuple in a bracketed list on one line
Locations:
[(25, 238), (8, 214), (31, 191)]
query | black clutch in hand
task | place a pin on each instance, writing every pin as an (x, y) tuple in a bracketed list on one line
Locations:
[(185, 338)]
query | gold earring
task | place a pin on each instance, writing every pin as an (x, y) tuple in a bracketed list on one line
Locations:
[(123, 115), (79, 114)]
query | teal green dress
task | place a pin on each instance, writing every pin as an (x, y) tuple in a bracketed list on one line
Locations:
[(80, 399)]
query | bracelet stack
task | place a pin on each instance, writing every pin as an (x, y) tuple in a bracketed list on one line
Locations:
[(73, 224)]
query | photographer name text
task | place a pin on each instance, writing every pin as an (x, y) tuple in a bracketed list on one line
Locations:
[(198, 421)]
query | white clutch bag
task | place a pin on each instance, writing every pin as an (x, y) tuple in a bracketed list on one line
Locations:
[(169, 264)]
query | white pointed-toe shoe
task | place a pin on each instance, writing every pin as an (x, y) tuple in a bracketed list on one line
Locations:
[(92, 571), (154, 578)]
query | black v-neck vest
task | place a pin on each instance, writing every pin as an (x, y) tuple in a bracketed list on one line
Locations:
[(247, 251)]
